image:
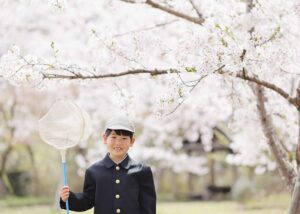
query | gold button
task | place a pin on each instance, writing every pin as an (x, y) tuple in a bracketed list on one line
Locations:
[(117, 181), (118, 211), (117, 196), (117, 168)]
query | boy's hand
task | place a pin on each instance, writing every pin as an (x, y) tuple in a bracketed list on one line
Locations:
[(64, 193)]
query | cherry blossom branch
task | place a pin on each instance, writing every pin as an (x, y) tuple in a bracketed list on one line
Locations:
[(295, 101), (183, 100), (170, 11), (154, 72), (271, 86), (77, 73), (110, 48), (242, 75), (250, 5), (193, 87), (145, 29), (129, 1), (175, 13), (196, 9)]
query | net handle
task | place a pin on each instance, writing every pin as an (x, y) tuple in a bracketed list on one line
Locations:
[(63, 160)]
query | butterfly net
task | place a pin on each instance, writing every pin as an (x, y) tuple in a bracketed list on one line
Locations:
[(64, 125)]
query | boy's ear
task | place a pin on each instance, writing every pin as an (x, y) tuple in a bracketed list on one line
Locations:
[(132, 141), (104, 138)]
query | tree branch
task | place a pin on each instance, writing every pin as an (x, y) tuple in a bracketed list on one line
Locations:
[(129, 1), (183, 100), (145, 29), (154, 72), (192, 88), (110, 48), (175, 13), (196, 9), (242, 75), (250, 5)]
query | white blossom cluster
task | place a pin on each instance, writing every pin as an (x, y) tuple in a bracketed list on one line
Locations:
[(102, 37)]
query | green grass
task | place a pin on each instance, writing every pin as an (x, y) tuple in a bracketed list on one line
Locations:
[(277, 204), (24, 201)]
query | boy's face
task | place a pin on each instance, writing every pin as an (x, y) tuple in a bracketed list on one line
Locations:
[(117, 145)]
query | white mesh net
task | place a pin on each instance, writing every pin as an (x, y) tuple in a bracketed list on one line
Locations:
[(64, 125)]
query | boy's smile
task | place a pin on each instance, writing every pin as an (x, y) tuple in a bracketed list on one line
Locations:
[(117, 145)]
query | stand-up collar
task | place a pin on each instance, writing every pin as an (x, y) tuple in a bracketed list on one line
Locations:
[(108, 162)]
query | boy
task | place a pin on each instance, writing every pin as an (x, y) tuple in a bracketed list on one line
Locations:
[(116, 184)]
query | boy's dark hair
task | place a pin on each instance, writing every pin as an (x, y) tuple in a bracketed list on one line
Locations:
[(119, 132)]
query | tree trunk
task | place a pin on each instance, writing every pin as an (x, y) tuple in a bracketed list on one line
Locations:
[(212, 172), (34, 169), (4, 160), (3, 176), (235, 174), (294, 207), (190, 183), (285, 169), (56, 197), (3, 189), (174, 185), (158, 177)]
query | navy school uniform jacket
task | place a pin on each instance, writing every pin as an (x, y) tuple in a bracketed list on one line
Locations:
[(126, 188)]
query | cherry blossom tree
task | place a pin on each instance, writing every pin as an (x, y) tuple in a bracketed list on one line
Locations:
[(239, 57), (20, 109), (18, 124)]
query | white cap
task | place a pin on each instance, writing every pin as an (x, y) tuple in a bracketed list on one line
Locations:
[(120, 123)]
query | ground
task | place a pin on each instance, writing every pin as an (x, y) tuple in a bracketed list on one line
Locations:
[(275, 204)]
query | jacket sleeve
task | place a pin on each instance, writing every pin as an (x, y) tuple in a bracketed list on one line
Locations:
[(147, 197), (85, 200)]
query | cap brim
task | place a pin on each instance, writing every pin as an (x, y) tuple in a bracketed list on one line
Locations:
[(119, 127)]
